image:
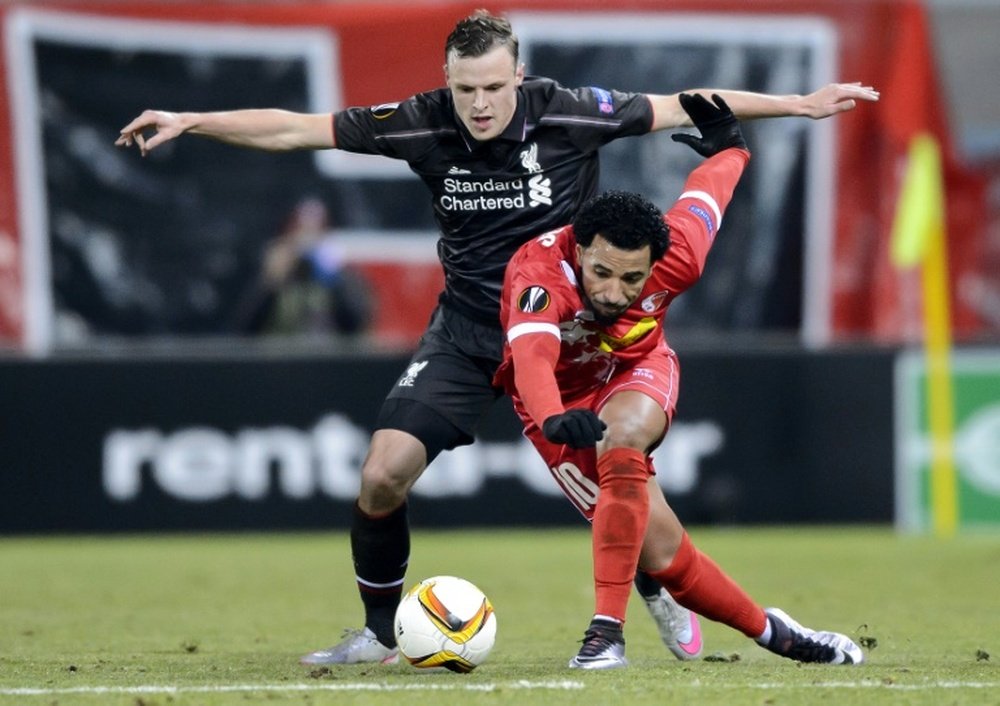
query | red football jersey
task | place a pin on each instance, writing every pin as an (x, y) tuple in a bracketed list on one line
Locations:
[(541, 297)]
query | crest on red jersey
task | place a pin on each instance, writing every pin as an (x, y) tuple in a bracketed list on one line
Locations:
[(533, 300), (654, 301)]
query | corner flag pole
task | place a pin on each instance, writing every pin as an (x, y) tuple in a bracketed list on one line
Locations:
[(918, 236)]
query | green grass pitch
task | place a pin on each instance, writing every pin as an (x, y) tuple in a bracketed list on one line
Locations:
[(221, 619)]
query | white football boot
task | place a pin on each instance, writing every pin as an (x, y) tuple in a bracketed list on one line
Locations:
[(791, 640), (603, 648), (357, 647), (678, 627)]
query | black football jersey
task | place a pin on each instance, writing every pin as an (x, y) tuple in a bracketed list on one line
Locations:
[(490, 197)]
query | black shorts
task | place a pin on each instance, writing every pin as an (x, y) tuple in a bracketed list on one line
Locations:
[(448, 385)]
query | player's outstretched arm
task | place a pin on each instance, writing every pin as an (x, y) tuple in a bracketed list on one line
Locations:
[(829, 100), (264, 129)]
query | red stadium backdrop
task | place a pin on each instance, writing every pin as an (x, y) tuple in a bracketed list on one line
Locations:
[(391, 51)]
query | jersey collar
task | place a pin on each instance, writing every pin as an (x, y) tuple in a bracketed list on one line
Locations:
[(516, 130)]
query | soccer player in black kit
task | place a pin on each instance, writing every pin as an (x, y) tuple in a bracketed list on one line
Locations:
[(505, 157)]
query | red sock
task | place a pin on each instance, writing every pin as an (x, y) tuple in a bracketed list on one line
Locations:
[(698, 584), (618, 527)]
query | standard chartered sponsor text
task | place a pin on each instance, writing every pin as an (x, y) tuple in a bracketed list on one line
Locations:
[(482, 195), (481, 203)]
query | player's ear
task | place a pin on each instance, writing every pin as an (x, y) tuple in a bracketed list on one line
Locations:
[(519, 75)]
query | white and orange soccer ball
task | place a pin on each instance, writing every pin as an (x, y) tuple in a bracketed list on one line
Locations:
[(445, 621)]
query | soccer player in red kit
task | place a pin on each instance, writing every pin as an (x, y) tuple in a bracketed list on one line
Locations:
[(595, 384)]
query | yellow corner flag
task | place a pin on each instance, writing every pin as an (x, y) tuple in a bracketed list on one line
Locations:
[(918, 237)]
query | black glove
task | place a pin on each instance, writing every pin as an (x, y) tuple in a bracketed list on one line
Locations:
[(719, 128), (577, 428)]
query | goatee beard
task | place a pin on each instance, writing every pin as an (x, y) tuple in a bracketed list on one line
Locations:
[(604, 319), (599, 318)]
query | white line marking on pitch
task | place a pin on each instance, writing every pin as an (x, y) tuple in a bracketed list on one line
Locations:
[(225, 688), (488, 686), (878, 685)]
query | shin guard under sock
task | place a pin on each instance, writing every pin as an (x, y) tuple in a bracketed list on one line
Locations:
[(618, 527), (698, 584), (380, 546)]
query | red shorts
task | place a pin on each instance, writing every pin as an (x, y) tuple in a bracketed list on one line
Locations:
[(575, 470)]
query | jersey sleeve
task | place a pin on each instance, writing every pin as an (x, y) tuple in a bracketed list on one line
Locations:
[(385, 129), (594, 116), (534, 304), (696, 217)]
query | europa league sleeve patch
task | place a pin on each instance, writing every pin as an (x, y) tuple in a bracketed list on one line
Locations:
[(383, 110), (533, 300)]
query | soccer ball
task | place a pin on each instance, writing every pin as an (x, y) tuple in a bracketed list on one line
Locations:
[(447, 622)]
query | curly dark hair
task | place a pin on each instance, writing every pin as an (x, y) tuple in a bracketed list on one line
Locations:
[(479, 33), (626, 220)]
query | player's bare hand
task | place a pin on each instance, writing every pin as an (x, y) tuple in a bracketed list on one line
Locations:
[(836, 98), (165, 126)]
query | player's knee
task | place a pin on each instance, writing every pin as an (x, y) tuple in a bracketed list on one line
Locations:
[(394, 462), (392, 472), (625, 436), (383, 488), (379, 477)]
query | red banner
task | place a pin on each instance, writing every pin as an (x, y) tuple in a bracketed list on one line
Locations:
[(387, 52)]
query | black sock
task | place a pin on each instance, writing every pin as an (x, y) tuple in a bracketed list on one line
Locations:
[(381, 550), (647, 585), (610, 629)]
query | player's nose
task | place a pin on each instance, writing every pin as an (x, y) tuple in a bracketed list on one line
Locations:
[(614, 295)]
